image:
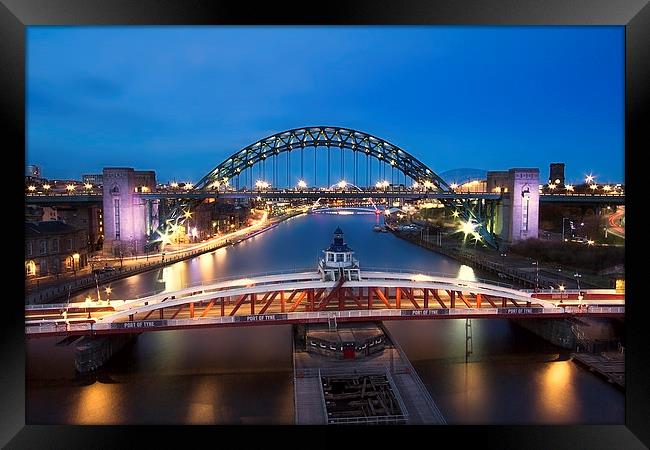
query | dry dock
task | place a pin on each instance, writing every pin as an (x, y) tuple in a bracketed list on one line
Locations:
[(313, 371)]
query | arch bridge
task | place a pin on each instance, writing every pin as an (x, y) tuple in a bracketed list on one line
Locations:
[(302, 297), (363, 159)]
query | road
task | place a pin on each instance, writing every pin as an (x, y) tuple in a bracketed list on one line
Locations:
[(615, 223)]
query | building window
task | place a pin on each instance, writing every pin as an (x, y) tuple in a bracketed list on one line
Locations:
[(30, 268), (43, 249), (330, 257), (30, 248), (339, 257), (116, 203), (69, 244), (525, 193), (55, 246)]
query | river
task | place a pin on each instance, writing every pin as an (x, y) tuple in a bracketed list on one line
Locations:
[(244, 376)]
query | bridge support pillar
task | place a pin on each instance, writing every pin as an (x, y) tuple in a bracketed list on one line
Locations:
[(92, 352)]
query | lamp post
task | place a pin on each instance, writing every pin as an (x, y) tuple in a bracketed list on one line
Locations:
[(108, 293), (88, 300), (563, 219), (536, 264), (577, 277)]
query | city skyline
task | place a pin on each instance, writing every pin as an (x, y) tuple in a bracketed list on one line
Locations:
[(180, 100)]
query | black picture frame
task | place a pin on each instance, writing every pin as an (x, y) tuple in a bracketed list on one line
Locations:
[(15, 15)]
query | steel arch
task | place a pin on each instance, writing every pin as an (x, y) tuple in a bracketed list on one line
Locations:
[(323, 136), (328, 136)]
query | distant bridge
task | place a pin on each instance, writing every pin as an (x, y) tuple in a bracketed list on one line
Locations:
[(410, 194), (302, 297)]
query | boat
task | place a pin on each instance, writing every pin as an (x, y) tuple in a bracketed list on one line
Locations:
[(377, 228)]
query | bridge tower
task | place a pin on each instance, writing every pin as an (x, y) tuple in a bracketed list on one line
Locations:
[(128, 219), (338, 261), (517, 216)]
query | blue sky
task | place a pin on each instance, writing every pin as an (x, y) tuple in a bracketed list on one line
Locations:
[(180, 100)]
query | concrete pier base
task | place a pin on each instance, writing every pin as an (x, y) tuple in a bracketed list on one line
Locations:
[(93, 352), (588, 334)]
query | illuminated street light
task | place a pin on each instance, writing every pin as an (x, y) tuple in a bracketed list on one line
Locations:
[(302, 184), (455, 214), (342, 184), (590, 242), (187, 214), (561, 287), (46, 187), (88, 186), (589, 179), (188, 186), (70, 187), (165, 238), (569, 187), (467, 227), (428, 184), (415, 185), (551, 186), (173, 184), (593, 187), (607, 187), (31, 188), (215, 185), (453, 185)]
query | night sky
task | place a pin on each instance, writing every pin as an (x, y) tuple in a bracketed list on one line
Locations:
[(179, 100)]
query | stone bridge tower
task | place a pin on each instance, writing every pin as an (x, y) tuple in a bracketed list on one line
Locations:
[(517, 216), (128, 219)]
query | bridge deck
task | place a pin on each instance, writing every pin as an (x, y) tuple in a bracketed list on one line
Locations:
[(302, 297)]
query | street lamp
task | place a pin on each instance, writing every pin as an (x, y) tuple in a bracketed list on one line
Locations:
[(577, 277), (563, 219), (108, 291), (302, 184), (536, 264)]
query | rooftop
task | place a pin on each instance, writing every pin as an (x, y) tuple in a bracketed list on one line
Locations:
[(48, 228)]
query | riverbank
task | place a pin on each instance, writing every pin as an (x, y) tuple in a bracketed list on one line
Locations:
[(517, 270), (61, 291)]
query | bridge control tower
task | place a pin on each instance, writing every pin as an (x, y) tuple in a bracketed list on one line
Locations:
[(338, 261)]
